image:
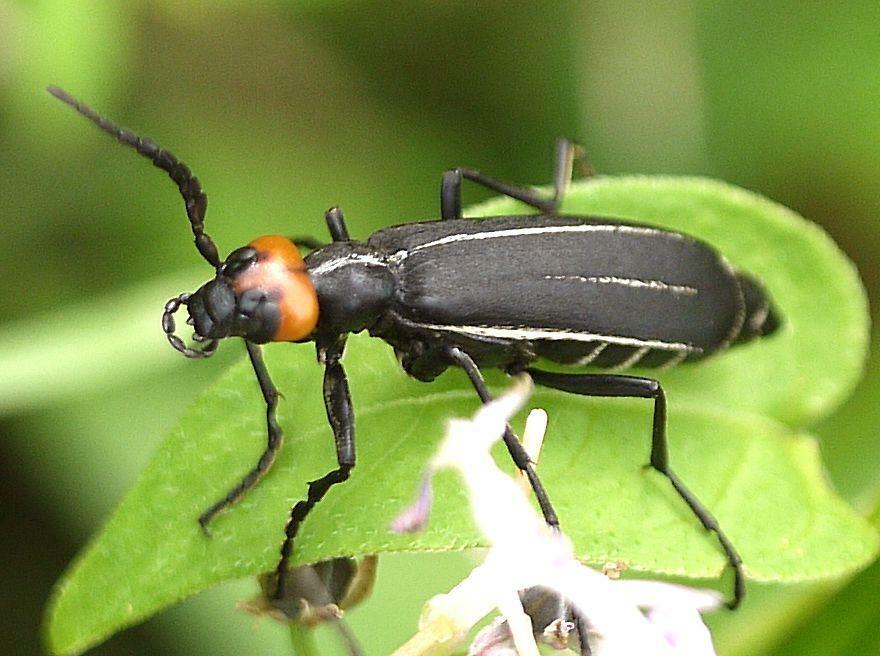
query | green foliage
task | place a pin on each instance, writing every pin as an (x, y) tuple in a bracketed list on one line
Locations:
[(734, 433)]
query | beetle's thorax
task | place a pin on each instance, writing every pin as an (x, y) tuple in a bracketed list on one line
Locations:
[(354, 283)]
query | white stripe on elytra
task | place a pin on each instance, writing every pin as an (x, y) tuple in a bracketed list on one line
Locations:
[(351, 258), (513, 332), (539, 230), (683, 290)]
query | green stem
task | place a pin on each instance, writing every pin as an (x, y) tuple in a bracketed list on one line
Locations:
[(303, 640)]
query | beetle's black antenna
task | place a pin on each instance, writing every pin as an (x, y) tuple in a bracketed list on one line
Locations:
[(190, 188), (168, 326)]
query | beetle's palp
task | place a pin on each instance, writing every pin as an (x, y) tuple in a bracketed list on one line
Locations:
[(168, 326)]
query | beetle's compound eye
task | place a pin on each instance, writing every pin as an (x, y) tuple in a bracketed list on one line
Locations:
[(273, 265), (238, 260)]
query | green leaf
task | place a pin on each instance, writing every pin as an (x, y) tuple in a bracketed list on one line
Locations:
[(762, 479), (99, 343)]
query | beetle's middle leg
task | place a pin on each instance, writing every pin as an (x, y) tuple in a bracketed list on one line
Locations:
[(514, 446), (337, 401), (450, 186), (525, 464), (647, 388)]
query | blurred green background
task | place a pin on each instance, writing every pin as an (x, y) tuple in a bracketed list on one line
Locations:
[(284, 109)]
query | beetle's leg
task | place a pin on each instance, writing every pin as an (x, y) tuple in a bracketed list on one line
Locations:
[(421, 361), (336, 224), (582, 628), (577, 624), (524, 463), (270, 395), (514, 447), (546, 607), (450, 185), (647, 388), (569, 613), (307, 242), (425, 360), (337, 401)]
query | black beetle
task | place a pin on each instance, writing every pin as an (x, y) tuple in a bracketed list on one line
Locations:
[(495, 292)]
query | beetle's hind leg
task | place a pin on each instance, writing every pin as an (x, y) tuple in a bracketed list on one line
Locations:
[(450, 186), (647, 388), (514, 447)]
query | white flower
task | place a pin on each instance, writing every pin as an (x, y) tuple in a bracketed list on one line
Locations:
[(624, 617)]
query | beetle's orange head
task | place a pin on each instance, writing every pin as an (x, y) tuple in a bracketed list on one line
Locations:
[(261, 292)]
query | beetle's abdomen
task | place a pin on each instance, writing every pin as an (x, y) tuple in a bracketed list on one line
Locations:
[(569, 284), (761, 317)]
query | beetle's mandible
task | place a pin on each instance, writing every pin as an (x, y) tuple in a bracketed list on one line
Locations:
[(472, 293)]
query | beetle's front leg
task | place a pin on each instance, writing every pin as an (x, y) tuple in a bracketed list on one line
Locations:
[(336, 224), (270, 395), (337, 401)]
